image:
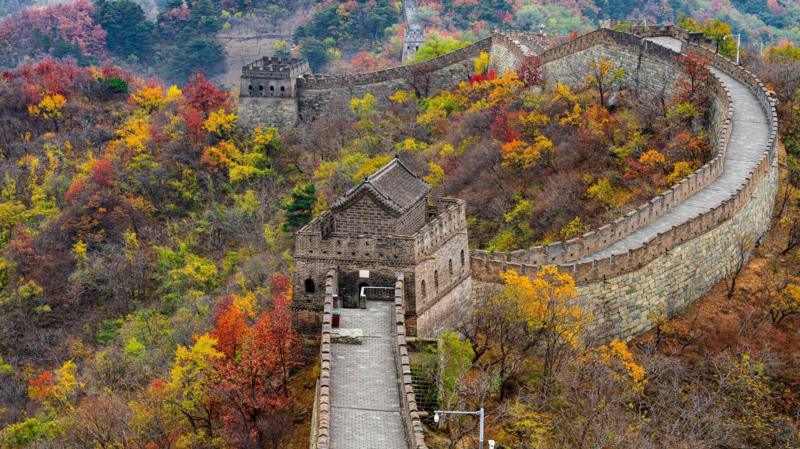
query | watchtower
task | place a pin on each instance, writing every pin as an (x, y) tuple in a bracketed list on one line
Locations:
[(388, 223), (268, 91), (413, 39)]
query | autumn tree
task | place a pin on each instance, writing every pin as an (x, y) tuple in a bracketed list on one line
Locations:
[(547, 302), (605, 78)]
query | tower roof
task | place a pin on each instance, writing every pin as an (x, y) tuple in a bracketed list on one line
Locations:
[(394, 185)]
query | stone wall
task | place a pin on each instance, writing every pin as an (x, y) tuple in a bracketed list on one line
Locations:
[(623, 304), (654, 72), (415, 437), (367, 217), (265, 111), (682, 263)]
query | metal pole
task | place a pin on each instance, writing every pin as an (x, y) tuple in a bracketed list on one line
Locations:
[(738, 45), (480, 438)]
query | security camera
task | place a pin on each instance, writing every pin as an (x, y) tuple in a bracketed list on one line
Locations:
[(491, 444)]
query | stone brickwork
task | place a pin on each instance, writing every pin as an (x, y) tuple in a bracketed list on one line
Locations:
[(268, 92), (387, 224)]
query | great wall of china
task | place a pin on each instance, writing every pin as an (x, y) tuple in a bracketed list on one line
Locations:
[(659, 257)]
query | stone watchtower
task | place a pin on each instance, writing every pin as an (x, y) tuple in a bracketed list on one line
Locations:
[(388, 223), (413, 39), (268, 91)]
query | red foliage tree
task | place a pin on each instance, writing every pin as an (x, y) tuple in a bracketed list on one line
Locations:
[(203, 95), (530, 71), (68, 23), (253, 387), (194, 121), (230, 329)]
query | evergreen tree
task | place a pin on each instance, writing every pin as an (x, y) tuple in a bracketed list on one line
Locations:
[(299, 207), (129, 31), (196, 55), (315, 52)]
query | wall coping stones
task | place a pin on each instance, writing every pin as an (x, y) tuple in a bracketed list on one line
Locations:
[(323, 399), (415, 438)]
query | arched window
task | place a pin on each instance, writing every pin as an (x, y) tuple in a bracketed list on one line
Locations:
[(462, 258), (310, 286), (271, 91), (283, 88), (450, 266), (436, 280), (422, 288)]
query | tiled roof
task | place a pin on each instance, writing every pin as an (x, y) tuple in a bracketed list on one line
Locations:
[(394, 185)]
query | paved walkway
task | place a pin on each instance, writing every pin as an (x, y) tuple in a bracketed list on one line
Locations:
[(365, 400), (748, 140)]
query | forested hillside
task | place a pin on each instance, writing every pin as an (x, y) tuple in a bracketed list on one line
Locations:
[(146, 239)]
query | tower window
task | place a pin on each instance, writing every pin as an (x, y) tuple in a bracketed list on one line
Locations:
[(450, 266), (422, 288), (462, 257), (436, 280), (310, 286)]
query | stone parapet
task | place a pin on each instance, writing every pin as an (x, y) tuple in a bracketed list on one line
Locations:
[(450, 220), (323, 399), (316, 82), (415, 437), (488, 266)]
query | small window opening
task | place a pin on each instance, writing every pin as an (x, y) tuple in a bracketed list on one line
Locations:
[(310, 286)]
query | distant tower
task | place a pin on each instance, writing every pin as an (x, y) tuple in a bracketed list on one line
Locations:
[(414, 36), (268, 91), (412, 41)]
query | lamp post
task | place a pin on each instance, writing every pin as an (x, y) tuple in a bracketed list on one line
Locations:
[(738, 37), (478, 413)]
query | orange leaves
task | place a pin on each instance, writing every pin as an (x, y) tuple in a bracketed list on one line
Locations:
[(41, 387), (653, 159), (230, 329), (219, 156), (524, 155)]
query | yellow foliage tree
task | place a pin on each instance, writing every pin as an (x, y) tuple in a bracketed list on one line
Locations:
[(523, 155), (548, 303), (786, 302), (481, 63), (617, 354), (680, 170), (149, 97), (436, 174), (220, 123), (653, 159), (49, 107)]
